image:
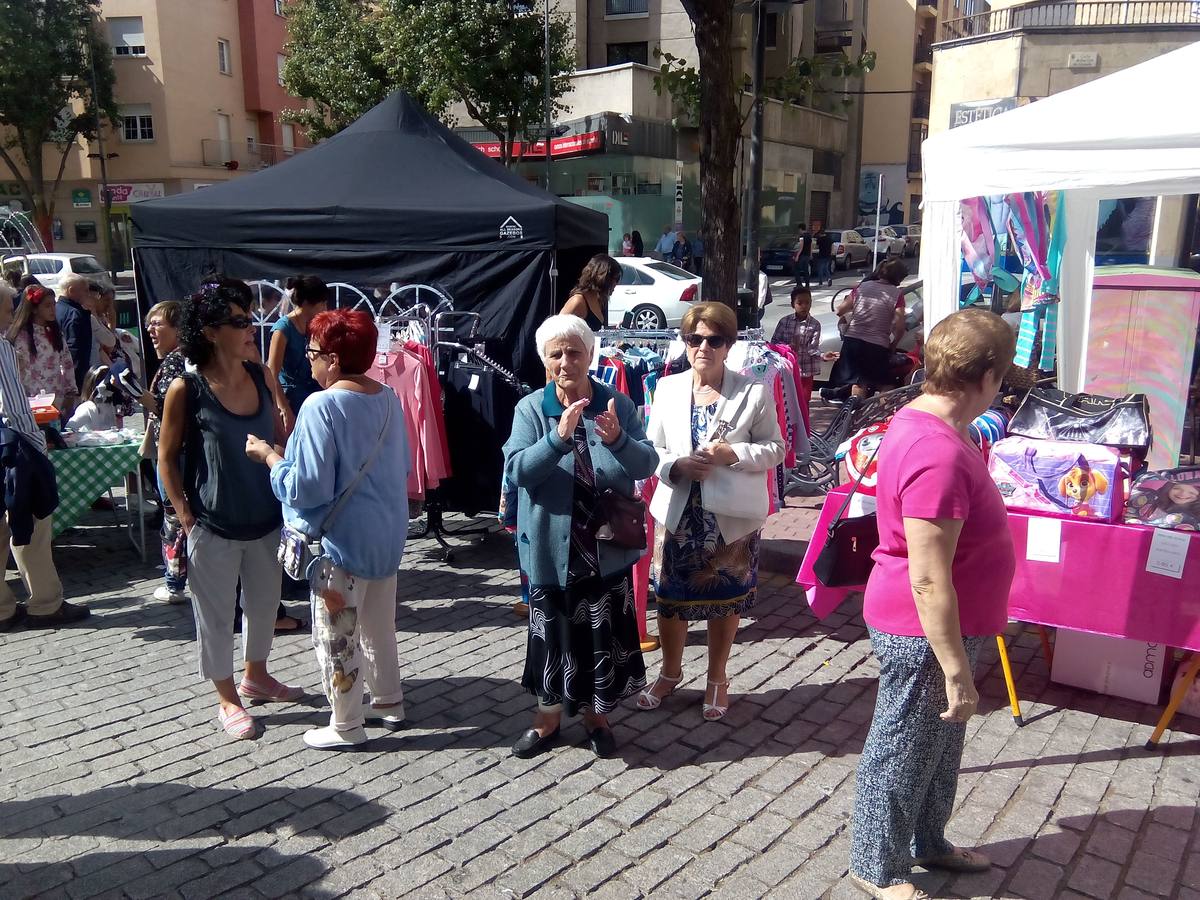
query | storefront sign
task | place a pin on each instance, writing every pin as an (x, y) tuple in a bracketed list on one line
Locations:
[(133, 193), (591, 142), (978, 110), (81, 198)]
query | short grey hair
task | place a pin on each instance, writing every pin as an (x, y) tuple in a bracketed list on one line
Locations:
[(563, 326), (69, 281)]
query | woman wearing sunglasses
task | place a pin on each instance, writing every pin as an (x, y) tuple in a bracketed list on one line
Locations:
[(224, 499), (717, 436)]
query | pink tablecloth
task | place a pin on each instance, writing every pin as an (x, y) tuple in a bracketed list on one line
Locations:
[(1099, 585)]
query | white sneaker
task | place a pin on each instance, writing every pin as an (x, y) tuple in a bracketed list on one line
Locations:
[(166, 595), (329, 738), (391, 718)]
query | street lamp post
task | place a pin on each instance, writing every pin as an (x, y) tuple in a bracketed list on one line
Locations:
[(548, 110)]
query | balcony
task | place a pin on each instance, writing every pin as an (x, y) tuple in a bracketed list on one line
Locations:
[(251, 157), (927, 8), (614, 8), (920, 106), (923, 56), (1057, 16)]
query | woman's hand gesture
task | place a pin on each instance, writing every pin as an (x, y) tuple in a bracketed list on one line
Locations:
[(608, 425), (570, 420)]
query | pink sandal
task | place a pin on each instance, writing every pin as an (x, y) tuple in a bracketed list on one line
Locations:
[(256, 693), (239, 725)]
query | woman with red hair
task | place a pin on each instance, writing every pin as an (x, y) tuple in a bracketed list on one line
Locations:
[(344, 479)]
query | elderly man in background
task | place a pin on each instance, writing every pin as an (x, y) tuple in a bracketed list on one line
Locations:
[(75, 322)]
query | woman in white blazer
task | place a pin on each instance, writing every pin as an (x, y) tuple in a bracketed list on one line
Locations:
[(717, 436)]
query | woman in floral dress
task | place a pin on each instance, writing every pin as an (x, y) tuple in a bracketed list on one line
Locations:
[(42, 354)]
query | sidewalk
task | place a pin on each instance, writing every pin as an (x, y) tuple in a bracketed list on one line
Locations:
[(116, 782)]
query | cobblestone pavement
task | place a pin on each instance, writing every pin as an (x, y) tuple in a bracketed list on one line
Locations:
[(117, 783)]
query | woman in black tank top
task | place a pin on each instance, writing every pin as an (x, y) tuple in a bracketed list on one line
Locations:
[(223, 500), (589, 297)]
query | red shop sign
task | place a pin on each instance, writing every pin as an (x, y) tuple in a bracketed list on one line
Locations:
[(590, 142)]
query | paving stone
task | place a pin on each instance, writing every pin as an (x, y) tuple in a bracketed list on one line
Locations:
[(1036, 880), (1095, 877)]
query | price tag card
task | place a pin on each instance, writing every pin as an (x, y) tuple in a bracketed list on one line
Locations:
[(1168, 552), (474, 383), (1043, 540)]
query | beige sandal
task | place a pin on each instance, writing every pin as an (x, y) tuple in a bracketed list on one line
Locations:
[(647, 699), (876, 891)]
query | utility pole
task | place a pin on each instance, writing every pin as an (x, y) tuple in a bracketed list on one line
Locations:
[(546, 54), (754, 192)]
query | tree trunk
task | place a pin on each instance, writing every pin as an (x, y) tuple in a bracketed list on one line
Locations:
[(719, 121), (44, 220)]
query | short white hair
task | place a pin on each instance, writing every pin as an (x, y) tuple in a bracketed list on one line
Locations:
[(560, 327), (69, 281)]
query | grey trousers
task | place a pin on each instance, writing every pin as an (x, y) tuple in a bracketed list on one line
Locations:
[(908, 772), (214, 566)]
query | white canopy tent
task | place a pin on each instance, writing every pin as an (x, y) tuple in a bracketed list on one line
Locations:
[(1135, 133)]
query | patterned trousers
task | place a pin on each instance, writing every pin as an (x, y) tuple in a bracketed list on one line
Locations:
[(908, 773)]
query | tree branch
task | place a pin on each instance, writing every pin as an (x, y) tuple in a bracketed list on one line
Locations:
[(17, 173)]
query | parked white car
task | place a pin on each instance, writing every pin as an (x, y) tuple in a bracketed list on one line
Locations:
[(655, 294), (849, 248), (51, 268), (885, 243)]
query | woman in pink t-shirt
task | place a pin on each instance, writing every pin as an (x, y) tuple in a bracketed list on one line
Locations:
[(939, 588)]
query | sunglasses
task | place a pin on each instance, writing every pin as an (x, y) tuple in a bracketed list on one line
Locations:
[(716, 341), (239, 322)]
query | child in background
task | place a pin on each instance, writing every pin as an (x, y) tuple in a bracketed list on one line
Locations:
[(802, 333)]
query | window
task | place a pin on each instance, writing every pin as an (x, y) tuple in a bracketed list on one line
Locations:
[(127, 36), (85, 232), (137, 123), (626, 7), (772, 28), (289, 138), (280, 59), (279, 7), (637, 52), (45, 266), (224, 60)]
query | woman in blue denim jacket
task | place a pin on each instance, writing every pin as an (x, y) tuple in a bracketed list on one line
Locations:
[(569, 443)]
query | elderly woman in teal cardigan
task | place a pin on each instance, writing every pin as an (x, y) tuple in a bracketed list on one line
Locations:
[(569, 443)]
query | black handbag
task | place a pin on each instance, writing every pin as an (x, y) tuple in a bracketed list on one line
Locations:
[(1086, 418), (845, 560)]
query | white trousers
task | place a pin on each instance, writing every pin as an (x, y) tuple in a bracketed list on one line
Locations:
[(356, 645), (214, 566)]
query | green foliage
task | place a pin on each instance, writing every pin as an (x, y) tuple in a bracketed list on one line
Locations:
[(806, 80), (46, 53), (336, 61), (347, 55)]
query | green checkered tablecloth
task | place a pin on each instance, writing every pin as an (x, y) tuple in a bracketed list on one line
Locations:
[(85, 474)]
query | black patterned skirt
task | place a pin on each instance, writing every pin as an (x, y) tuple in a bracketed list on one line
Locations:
[(583, 650)]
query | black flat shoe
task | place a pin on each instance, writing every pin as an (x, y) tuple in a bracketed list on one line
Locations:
[(64, 615), (603, 743), (15, 619), (532, 744)]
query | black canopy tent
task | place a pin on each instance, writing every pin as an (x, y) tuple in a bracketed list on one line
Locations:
[(396, 197)]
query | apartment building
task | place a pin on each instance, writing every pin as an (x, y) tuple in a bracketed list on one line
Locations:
[(622, 148), (199, 88)]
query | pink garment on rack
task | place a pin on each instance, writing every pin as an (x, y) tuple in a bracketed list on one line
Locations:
[(405, 373), (803, 398), (641, 569), (435, 391)]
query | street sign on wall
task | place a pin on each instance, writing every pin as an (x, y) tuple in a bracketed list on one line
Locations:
[(81, 198), (977, 110)]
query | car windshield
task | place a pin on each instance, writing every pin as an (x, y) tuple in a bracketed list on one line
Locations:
[(900, 230), (782, 244), (671, 271), (866, 232), (86, 265), (834, 236)]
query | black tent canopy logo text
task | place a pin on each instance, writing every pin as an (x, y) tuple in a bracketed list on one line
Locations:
[(511, 228)]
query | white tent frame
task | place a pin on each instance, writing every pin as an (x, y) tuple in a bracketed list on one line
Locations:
[(1130, 134)]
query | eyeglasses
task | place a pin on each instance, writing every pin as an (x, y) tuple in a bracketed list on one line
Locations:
[(239, 322), (716, 341), (313, 352)]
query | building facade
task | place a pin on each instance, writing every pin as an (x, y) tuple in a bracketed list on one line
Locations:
[(624, 149), (199, 90), (993, 60)]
